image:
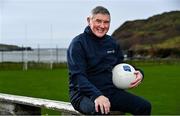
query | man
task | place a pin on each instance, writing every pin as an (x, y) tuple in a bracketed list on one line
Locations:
[(91, 57)]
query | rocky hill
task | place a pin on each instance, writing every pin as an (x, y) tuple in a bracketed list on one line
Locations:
[(159, 33)]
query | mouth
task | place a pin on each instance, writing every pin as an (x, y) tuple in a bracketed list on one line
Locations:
[(100, 30)]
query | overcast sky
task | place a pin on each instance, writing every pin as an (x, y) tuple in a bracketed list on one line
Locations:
[(51, 23)]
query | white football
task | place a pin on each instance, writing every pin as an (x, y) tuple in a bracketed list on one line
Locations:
[(123, 75)]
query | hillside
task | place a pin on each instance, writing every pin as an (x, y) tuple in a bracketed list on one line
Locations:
[(6, 47), (155, 34)]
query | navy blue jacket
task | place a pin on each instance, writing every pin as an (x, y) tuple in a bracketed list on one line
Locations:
[(90, 62)]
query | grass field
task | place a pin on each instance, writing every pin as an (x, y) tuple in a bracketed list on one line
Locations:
[(160, 86)]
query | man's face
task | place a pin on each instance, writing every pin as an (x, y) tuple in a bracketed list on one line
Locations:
[(99, 24)]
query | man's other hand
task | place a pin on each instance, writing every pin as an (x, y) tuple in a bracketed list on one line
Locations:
[(138, 79)]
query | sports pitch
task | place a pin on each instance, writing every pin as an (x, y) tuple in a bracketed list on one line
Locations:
[(161, 85)]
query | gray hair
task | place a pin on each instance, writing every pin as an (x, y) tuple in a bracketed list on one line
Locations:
[(100, 10)]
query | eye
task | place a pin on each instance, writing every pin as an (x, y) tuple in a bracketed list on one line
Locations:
[(98, 21), (106, 22)]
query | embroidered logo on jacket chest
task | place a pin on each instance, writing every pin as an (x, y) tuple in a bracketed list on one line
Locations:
[(110, 51)]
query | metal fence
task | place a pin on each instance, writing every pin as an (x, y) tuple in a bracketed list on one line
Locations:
[(56, 55), (39, 57)]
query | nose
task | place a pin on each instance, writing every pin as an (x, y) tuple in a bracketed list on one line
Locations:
[(102, 25)]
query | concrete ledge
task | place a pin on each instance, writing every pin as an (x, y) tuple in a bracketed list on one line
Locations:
[(7, 108), (35, 102), (21, 105)]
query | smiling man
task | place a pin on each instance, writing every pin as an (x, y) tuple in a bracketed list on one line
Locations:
[(99, 24), (91, 57)]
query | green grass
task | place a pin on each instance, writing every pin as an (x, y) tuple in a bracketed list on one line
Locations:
[(169, 43), (160, 86), (50, 84)]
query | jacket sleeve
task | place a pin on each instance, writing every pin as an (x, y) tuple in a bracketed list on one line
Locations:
[(77, 70)]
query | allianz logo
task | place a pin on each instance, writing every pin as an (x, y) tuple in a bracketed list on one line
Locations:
[(110, 51)]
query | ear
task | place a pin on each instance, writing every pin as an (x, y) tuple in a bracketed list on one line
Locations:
[(88, 20)]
